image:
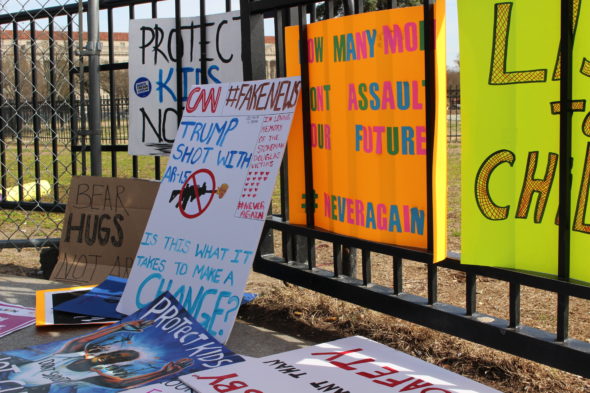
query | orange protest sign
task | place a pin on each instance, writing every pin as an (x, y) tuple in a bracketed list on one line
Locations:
[(368, 128)]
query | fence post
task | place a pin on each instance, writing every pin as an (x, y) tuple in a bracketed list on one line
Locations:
[(93, 48)]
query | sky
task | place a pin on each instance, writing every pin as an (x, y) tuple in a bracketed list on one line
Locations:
[(452, 33), (190, 8)]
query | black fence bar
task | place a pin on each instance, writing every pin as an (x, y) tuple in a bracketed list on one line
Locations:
[(246, 42), (280, 24), (203, 41), (313, 15), (3, 123), (330, 12), (563, 308), (35, 109), (359, 6), (281, 21), (565, 154), (18, 120), (134, 159), (179, 51), (430, 113), (112, 107), (565, 138), (337, 259), (74, 118), (514, 306), (157, 160), (310, 250), (366, 264), (53, 109), (398, 275), (307, 154), (432, 281), (470, 294), (348, 7)]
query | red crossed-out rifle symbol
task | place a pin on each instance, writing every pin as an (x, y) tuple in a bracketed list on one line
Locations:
[(202, 195)]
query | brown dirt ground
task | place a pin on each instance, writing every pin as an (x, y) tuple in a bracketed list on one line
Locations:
[(315, 317)]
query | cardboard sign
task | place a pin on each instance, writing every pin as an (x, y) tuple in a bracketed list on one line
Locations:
[(368, 128), (352, 365), (153, 345), (153, 117), (102, 228), (510, 93), (201, 237)]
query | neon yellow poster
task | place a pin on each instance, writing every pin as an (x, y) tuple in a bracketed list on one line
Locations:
[(510, 91), (368, 128)]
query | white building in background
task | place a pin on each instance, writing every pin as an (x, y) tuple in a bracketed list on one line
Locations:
[(270, 56), (42, 40), (25, 83), (120, 48)]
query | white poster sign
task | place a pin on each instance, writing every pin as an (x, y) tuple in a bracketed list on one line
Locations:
[(349, 365), (153, 118), (203, 231)]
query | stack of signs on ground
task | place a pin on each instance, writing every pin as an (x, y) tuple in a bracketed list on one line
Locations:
[(205, 226), (102, 228), (15, 317), (48, 299), (350, 365), (100, 301), (153, 95), (155, 344)]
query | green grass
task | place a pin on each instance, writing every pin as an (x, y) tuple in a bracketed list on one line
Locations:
[(18, 224), (454, 196)]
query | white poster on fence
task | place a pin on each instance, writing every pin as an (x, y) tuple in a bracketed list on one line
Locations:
[(351, 365), (153, 119), (207, 219)]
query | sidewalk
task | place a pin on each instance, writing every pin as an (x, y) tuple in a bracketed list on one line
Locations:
[(245, 339)]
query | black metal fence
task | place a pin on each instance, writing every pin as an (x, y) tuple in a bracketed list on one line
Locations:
[(296, 260), (453, 115), (61, 113)]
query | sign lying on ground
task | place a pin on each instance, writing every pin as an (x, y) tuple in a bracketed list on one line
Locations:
[(368, 128), (100, 301), (202, 234), (46, 300), (350, 365), (154, 344), (102, 228), (153, 97), (14, 317), (510, 92)]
